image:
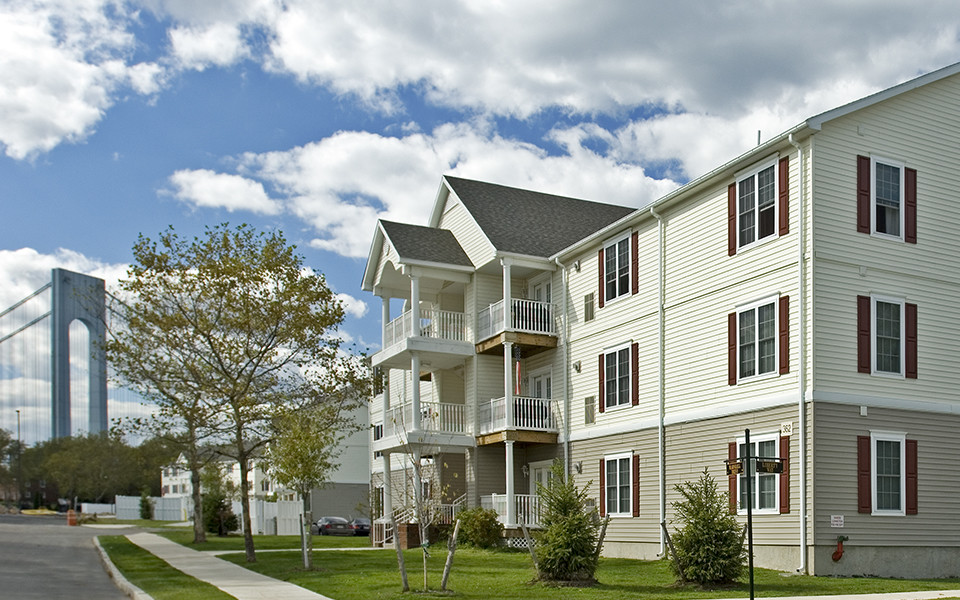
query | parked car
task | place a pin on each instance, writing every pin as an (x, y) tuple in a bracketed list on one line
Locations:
[(360, 526), (331, 526)]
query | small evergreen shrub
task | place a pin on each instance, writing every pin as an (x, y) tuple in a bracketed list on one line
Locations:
[(146, 505), (709, 545), (479, 527), (567, 546)]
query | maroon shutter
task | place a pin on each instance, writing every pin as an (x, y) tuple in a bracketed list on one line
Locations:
[(602, 293), (785, 475), (603, 488), (910, 206), (863, 194), (863, 334), (635, 262), (784, 334), (636, 485), (732, 349), (603, 374), (910, 345), (732, 219), (634, 374), (732, 479), (864, 501), (784, 184), (911, 471)]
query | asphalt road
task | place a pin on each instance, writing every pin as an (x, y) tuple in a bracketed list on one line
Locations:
[(43, 558)]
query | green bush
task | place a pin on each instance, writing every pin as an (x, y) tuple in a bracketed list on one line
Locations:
[(709, 545), (146, 505), (479, 527), (567, 546)]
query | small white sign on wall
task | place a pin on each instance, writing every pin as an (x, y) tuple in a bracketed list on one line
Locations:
[(836, 520), (786, 428)]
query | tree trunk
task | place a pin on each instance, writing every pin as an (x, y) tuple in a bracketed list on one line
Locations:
[(451, 549), (306, 538), (199, 527), (245, 507), (400, 562)]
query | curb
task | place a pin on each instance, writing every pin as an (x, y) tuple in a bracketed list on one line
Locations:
[(125, 586)]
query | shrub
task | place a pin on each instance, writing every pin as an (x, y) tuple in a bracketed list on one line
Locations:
[(709, 545), (146, 505), (567, 546), (479, 527)]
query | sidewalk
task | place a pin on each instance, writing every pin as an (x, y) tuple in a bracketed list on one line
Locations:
[(241, 583)]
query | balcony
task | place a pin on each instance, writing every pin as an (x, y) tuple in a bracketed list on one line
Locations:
[(532, 324), (438, 424), (534, 420), (441, 338), (527, 508)]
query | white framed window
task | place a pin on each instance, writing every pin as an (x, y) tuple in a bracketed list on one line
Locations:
[(887, 336), (616, 376), (886, 198), (887, 470), (618, 485), (616, 267), (757, 204), (757, 332), (764, 487)]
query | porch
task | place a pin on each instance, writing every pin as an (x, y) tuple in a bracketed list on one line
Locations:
[(527, 508), (440, 339), (532, 414), (530, 323)]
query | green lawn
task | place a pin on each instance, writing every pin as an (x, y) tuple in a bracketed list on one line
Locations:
[(154, 576), (507, 575), (262, 542)]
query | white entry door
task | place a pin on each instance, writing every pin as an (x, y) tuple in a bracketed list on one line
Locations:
[(539, 472)]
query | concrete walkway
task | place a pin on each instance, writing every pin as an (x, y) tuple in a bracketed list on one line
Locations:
[(241, 583)]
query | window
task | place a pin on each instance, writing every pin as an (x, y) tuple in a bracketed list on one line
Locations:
[(886, 199), (759, 340), (589, 415), (764, 487), (887, 336), (617, 484), (616, 268), (617, 374), (756, 205), (887, 474), (377, 431), (588, 307)]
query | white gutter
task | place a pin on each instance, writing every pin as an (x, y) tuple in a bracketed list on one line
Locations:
[(802, 386), (661, 442), (566, 371)]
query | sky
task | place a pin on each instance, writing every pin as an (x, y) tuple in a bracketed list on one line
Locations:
[(317, 117)]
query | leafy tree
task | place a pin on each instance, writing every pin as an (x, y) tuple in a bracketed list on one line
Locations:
[(709, 545), (567, 547), (227, 329)]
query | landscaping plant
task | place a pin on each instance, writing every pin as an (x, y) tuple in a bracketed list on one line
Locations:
[(567, 547), (480, 527)]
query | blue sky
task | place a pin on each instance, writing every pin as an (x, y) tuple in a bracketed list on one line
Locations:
[(123, 117)]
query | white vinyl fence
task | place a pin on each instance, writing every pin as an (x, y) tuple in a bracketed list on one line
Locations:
[(164, 509)]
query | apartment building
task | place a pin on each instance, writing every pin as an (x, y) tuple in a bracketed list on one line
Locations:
[(801, 291)]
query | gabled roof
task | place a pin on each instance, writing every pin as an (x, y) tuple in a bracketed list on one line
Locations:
[(531, 223), (425, 244)]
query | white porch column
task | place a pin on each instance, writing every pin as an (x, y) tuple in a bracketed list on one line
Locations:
[(508, 382), (387, 487), (507, 294), (415, 395), (414, 306), (511, 494), (385, 317)]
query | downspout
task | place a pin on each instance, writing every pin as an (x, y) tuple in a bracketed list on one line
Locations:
[(661, 441), (802, 386), (566, 371)]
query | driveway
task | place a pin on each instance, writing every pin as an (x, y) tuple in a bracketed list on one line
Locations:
[(44, 558)]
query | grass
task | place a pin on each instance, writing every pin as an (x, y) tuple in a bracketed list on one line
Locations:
[(262, 542), (154, 576), (481, 574)]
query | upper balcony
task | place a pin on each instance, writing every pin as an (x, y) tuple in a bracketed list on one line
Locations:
[(525, 419), (436, 424), (441, 338), (532, 325)]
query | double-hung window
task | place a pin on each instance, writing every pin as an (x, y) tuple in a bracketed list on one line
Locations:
[(757, 339), (887, 336), (764, 487), (887, 473), (616, 377), (616, 268), (887, 198), (757, 205), (617, 484)]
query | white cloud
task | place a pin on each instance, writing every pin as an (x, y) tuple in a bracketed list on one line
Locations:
[(205, 188), (196, 48), (353, 306)]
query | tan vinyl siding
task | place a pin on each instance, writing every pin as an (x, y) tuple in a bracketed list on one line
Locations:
[(457, 219), (937, 523)]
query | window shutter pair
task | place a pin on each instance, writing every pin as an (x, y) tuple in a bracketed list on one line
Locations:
[(783, 338), (783, 209), (784, 476), (635, 477), (634, 377), (865, 326), (910, 471), (634, 269), (909, 200)]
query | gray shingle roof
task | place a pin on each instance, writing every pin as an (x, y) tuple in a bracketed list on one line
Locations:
[(414, 242), (532, 223)]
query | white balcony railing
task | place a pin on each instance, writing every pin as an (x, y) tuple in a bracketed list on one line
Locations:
[(528, 316), (441, 324), (537, 414), (438, 417), (528, 508)]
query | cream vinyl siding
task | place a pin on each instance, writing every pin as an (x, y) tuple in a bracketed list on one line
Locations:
[(458, 220), (921, 128), (489, 377), (937, 523)]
